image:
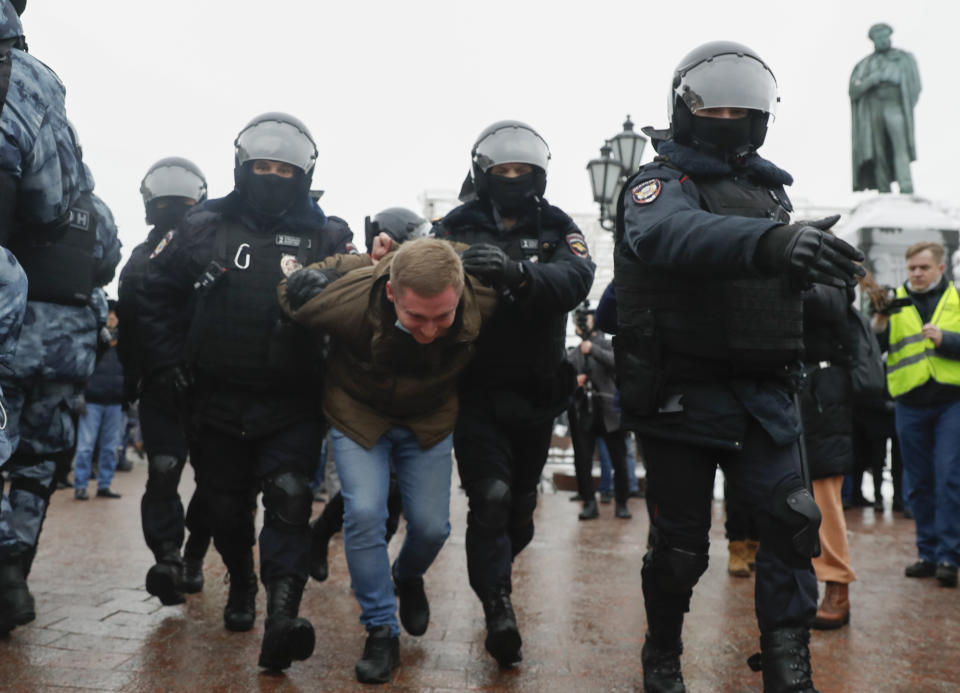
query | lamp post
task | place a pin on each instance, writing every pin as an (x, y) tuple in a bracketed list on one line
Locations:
[(619, 158)]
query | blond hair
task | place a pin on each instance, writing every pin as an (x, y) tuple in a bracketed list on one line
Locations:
[(427, 266), (935, 249)]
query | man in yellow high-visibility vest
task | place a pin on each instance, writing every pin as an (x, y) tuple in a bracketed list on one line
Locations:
[(923, 376)]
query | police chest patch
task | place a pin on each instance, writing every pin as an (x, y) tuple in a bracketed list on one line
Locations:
[(646, 192), (289, 264), (79, 219), (164, 242), (578, 246)]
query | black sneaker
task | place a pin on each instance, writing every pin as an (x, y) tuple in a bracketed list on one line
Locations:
[(947, 575), (80, 494), (590, 510), (921, 569), (381, 655), (413, 605), (623, 512), (107, 493)]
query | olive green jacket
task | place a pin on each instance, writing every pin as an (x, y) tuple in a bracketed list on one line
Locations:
[(377, 375)]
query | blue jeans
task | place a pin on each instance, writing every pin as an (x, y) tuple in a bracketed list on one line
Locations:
[(606, 467), (930, 446), (103, 421), (424, 480)]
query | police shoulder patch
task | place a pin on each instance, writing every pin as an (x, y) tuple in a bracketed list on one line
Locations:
[(578, 244), (289, 264), (164, 242), (646, 192)]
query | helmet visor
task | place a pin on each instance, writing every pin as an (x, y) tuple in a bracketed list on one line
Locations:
[(277, 141), (731, 81), (172, 181), (511, 144)]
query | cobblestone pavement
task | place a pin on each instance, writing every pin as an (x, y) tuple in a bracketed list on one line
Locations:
[(577, 593)]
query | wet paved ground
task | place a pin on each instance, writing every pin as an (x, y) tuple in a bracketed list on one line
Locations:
[(578, 599)]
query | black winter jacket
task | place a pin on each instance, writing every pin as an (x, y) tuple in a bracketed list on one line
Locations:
[(106, 384), (825, 401)]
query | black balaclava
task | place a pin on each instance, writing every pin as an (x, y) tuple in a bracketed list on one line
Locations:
[(167, 217), (726, 135), (270, 194), (512, 195)]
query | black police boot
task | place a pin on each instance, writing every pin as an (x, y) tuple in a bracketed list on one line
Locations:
[(414, 607), (241, 609), (26, 560), (319, 544), (165, 579), (285, 636), (193, 553), (503, 636), (661, 668), (192, 580), (381, 655), (622, 511), (784, 659), (16, 603)]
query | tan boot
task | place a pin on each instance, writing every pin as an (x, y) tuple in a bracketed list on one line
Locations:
[(737, 563), (834, 611), (752, 546)]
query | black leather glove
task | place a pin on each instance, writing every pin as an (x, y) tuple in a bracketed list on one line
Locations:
[(492, 266), (176, 379), (304, 284), (806, 251)]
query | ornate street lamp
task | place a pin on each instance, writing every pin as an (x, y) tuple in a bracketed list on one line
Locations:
[(605, 174), (628, 147), (619, 159)]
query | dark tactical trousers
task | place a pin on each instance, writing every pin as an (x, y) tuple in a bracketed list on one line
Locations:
[(680, 481), (230, 474), (161, 512), (488, 449)]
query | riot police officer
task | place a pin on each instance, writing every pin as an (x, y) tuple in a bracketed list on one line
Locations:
[(65, 240), (519, 379), (213, 332), (708, 272), (170, 188), (399, 223)]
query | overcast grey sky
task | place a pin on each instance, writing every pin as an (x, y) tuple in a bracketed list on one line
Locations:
[(396, 92)]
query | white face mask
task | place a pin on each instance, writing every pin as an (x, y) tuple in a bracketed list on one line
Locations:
[(933, 285)]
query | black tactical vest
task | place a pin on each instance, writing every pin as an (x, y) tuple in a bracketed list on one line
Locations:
[(59, 260), (513, 348), (238, 333), (719, 327)]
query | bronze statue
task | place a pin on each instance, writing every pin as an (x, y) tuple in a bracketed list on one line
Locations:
[(884, 88)]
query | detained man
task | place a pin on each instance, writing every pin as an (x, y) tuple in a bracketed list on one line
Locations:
[(401, 332)]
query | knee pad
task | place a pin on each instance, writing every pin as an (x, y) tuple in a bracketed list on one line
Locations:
[(287, 501), (792, 529), (522, 510), (163, 475), (490, 504), (675, 570)]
